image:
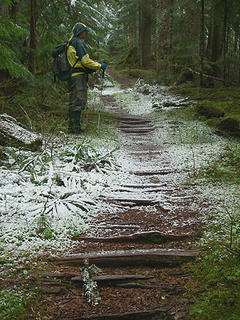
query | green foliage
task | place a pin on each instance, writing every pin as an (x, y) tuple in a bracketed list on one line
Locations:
[(12, 305), (210, 109), (217, 287), (228, 169), (11, 36), (219, 107)]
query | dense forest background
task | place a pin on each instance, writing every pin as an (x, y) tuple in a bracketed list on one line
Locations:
[(174, 38)]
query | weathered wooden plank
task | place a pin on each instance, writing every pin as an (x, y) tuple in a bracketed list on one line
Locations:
[(113, 279), (142, 237), (144, 314), (152, 173), (150, 257)]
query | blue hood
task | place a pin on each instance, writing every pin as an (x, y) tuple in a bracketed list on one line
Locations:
[(79, 28)]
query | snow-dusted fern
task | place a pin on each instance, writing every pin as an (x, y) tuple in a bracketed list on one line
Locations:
[(89, 285)]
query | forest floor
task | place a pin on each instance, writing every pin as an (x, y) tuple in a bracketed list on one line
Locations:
[(154, 185)]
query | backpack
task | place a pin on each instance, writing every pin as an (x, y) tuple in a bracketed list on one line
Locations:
[(61, 67)]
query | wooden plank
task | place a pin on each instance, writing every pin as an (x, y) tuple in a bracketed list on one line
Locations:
[(140, 202), (142, 237), (152, 173), (117, 258), (111, 280), (144, 314)]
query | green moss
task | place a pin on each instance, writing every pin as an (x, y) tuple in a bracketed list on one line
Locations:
[(230, 124), (219, 107), (216, 288), (149, 75), (185, 76), (12, 306), (210, 109)]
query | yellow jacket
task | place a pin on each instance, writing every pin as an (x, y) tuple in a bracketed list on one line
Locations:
[(77, 52)]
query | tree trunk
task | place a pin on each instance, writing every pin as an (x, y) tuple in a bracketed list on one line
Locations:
[(192, 29), (202, 41), (145, 32), (33, 32), (216, 41), (164, 31), (4, 10), (225, 42)]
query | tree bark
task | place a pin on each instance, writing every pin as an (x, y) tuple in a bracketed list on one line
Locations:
[(202, 41), (33, 33), (145, 32), (164, 32), (215, 43), (225, 42)]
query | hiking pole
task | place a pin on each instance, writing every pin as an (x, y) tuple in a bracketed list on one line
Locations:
[(99, 111)]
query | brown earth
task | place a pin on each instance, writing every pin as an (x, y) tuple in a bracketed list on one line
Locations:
[(63, 299)]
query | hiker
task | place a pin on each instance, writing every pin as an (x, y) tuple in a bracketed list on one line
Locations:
[(82, 66)]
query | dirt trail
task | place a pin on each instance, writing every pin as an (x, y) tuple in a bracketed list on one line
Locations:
[(151, 204)]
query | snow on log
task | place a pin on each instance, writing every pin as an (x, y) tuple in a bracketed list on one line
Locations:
[(13, 134), (150, 257)]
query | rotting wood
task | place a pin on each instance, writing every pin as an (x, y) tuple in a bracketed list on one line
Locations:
[(112, 280), (143, 237), (13, 134), (117, 258), (144, 314)]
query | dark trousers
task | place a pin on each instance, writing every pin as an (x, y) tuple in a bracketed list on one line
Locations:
[(77, 101)]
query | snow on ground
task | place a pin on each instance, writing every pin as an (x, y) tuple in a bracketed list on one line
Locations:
[(47, 197), (189, 146)]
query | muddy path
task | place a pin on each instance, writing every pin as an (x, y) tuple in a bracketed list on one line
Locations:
[(141, 243)]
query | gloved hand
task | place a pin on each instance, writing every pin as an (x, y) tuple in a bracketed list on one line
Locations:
[(103, 66)]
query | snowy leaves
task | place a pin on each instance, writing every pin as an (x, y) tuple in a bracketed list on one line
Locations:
[(50, 195)]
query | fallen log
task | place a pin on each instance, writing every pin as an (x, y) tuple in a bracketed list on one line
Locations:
[(143, 237), (13, 134), (117, 258), (113, 280), (145, 314)]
